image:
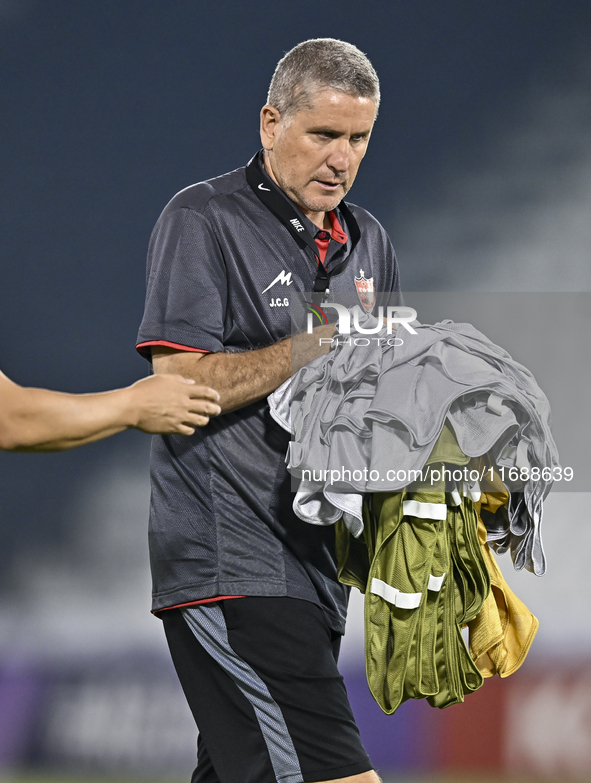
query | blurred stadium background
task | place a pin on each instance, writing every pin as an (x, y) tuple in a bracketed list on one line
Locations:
[(480, 168)]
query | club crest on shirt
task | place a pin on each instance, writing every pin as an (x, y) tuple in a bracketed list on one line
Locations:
[(365, 291)]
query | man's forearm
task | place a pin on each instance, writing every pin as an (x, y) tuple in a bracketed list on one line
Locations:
[(243, 378), (240, 378)]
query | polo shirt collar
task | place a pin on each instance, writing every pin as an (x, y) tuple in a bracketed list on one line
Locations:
[(336, 231)]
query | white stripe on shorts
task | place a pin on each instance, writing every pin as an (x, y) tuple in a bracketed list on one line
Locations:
[(208, 624)]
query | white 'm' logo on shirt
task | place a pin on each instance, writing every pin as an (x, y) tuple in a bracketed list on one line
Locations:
[(282, 277)]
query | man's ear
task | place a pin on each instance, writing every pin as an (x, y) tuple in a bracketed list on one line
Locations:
[(270, 119)]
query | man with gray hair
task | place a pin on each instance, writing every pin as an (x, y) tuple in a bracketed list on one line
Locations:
[(248, 593)]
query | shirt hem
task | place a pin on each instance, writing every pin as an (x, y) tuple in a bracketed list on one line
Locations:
[(199, 602), (188, 595)]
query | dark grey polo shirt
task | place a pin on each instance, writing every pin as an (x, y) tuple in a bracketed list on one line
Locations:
[(221, 518)]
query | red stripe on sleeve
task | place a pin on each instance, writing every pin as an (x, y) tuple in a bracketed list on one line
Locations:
[(142, 346)]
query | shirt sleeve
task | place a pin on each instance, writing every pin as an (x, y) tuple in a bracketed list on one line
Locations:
[(392, 265), (390, 294), (187, 288)]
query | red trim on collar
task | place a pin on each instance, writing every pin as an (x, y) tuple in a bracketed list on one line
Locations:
[(337, 230), (323, 236)]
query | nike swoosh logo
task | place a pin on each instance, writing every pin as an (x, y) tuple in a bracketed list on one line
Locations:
[(261, 187)]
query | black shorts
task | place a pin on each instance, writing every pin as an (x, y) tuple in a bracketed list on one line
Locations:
[(261, 679)]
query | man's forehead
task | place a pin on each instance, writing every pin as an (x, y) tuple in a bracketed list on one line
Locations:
[(334, 105)]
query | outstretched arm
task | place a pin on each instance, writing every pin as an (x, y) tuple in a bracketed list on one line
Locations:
[(242, 378), (41, 420)]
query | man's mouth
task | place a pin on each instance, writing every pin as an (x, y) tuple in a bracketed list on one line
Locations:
[(327, 185)]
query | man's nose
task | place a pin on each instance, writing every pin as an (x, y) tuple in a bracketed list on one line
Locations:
[(338, 159)]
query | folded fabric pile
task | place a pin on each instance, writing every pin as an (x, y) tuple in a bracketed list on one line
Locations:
[(363, 419), (400, 443), (426, 571)]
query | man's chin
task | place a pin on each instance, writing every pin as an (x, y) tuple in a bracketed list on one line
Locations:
[(324, 203)]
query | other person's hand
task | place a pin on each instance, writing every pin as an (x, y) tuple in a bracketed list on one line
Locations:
[(171, 404)]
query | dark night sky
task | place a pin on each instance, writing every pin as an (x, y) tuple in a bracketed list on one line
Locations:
[(108, 108)]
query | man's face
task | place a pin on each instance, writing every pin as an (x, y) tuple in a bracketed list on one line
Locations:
[(314, 155)]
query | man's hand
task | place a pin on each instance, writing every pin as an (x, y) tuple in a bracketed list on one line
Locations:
[(306, 347), (171, 404), (243, 378)]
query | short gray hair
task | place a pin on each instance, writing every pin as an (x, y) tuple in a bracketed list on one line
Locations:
[(321, 63)]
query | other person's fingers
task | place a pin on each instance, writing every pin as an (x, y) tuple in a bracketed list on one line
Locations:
[(198, 390), (173, 404)]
